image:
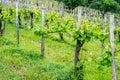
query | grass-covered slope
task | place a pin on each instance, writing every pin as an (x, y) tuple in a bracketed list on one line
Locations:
[(24, 62)]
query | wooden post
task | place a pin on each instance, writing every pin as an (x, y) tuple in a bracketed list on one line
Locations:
[(103, 44), (105, 21), (43, 23), (79, 16), (89, 15), (48, 5), (25, 14), (85, 13), (37, 3), (94, 16), (17, 23), (0, 2), (0, 21), (29, 4), (62, 15), (119, 27), (53, 5), (112, 25), (73, 13), (0, 28), (62, 10)]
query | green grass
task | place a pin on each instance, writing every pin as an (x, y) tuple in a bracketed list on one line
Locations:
[(24, 62)]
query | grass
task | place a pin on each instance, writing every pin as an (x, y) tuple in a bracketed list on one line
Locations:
[(24, 62)]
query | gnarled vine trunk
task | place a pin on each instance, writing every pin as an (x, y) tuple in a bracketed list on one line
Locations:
[(103, 46), (61, 36), (37, 3), (119, 36), (4, 27), (31, 24), (0, 23), (78, 69), (19, 19), (0, 28)]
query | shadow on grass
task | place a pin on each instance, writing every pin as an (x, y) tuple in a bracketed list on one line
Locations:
[(4, 41), (23, 52), (59, 40)]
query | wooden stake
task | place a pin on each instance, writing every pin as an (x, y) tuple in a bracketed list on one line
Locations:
[(62, 10), (105, 21), (79, 16), (62, 15), (43, 23), (17, 23), (112, 25), (25, 14), (119, 27)]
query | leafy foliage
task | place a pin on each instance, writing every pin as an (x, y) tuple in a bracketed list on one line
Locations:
[(105, 60), (36, 12), (116, 30), (56, 24), (11, 10), (4, 15)]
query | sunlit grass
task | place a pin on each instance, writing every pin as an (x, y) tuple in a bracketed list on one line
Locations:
[(24, 62)]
